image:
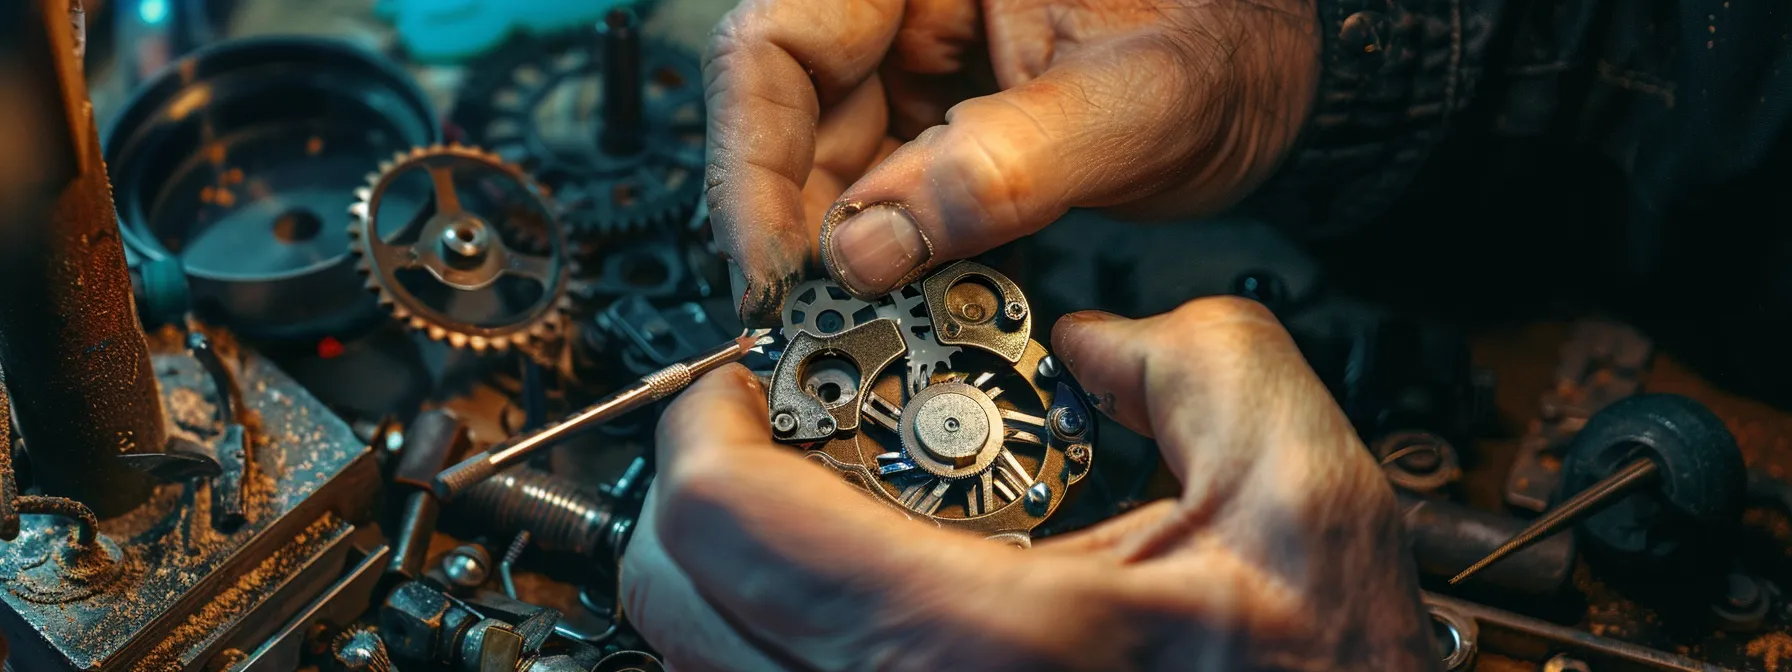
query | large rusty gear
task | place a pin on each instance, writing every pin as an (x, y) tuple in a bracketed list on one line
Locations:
[(454, 269)]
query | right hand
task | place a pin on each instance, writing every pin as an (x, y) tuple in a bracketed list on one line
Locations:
[(1161, 107), (1284, 552)]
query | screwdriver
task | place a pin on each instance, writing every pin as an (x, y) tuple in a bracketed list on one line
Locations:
[(1607, 491), (650, 388)]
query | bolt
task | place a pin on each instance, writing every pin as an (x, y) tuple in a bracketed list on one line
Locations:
[(784, 422), (412, 618), (1038, 497), (467, 566), (1048, 367), (359, 649), (1744, 593)]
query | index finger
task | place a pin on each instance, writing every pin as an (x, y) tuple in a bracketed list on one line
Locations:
[(772, 66)]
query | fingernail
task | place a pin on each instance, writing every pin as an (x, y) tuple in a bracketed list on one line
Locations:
[(875, 250)]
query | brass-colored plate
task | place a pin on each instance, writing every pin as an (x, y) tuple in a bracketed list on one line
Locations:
[(973, 305), (871, 347)]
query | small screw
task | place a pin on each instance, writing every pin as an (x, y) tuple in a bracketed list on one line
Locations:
[(1744, 593), (1016, 310), (1078, 454), (824, 425), (1068, 424), (952, 329), (467, 566), (1038, 497), (1048, 367), (784, 422)]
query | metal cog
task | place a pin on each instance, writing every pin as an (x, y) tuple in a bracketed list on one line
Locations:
[(459, 246), (822, 308), (925, 354), (536, 103)]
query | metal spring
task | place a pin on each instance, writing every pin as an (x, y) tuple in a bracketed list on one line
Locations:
[(560, 515)]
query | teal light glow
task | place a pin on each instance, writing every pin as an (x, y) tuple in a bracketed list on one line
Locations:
[(153, 11)]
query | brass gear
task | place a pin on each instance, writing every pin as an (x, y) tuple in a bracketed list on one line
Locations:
[(465, 243)]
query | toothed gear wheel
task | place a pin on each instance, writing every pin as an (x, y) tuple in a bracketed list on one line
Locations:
[(822, 308), (908, 306), (538, 103), (437, 233)]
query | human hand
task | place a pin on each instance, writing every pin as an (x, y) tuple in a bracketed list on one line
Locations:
[(1283, 552), (866, 113)]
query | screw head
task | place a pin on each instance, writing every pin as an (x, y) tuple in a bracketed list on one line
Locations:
[(1015, 310), (1744, 593), (1068, 424), (467, 566), (952, 329), (783, 422), (1038, 497)]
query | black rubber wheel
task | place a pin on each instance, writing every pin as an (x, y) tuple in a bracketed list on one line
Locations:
[(1700, 485)]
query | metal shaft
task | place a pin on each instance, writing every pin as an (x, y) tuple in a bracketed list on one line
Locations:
[(73, 354), (624, 93), (1447, 536), (653, 387), (1507, 627), (1594, 499)]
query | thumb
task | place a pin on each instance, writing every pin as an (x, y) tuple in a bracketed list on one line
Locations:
[(1109, 125), (1214, 381)]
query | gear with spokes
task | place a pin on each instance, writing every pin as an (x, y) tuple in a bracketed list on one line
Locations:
[(991, 445), (437, 232)]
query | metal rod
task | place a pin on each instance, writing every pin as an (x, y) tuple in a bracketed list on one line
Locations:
[(624, 95), (650, 388), (1594, 499), (1494, 619)]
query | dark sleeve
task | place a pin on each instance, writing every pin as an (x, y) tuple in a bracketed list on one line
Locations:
[(1394, 74)]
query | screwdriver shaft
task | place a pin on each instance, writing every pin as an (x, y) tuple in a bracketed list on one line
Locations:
[(1587, 502), (650, 388)]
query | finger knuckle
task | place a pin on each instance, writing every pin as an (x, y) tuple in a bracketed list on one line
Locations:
[(988, 174), (1226, 312), (742, 26), (695, 487)]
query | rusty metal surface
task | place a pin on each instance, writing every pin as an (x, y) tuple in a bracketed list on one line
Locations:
[(1525, 357), (74, 357), (1600, 362), (174, 565)]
